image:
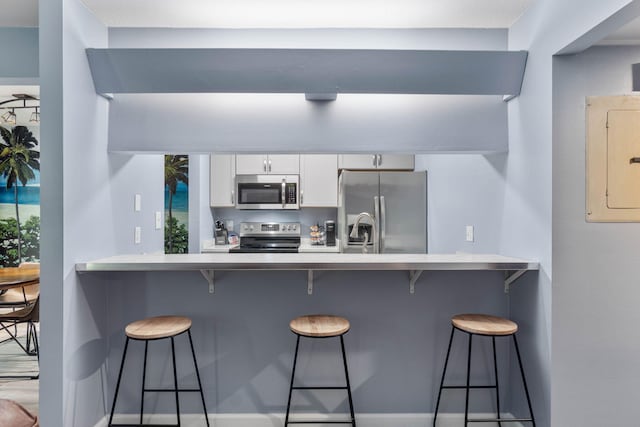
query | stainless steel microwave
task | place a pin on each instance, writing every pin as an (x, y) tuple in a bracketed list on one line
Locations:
[(267, 192)]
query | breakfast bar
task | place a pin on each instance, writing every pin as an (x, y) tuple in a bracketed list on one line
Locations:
[(414, 264)]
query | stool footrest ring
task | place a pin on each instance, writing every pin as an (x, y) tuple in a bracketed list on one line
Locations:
[(471, 386), (320, 422), (172, 390), (499, 420), (144, 425), (318, 388)]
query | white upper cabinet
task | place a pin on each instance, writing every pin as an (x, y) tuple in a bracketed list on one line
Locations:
[(318, 180), (377, 161), (280, 164), (222, 175)]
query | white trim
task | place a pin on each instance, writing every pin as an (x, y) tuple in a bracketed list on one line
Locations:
[(277, 420)]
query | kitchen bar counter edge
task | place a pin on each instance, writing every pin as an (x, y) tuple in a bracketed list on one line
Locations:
[(306, 261)]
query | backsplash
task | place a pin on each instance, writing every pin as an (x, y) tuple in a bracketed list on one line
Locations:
[(306, 217)]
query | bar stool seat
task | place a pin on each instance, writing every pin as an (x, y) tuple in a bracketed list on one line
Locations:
[(159, 327), (156, 328), (484, 324), (318, 326), (488, 326)]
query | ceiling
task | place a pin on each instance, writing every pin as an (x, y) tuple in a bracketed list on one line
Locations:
[(287, 13), (627, 35), (6, 92)]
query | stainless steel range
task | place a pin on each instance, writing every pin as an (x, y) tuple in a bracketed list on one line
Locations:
[(274, 237)]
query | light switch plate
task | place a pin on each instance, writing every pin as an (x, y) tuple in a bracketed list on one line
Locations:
[(137, 236), (137, 203), (469, 233), (158, 220)]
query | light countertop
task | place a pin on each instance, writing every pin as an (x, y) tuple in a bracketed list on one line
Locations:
[(306, 261)]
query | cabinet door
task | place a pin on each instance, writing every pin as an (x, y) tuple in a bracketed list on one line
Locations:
[(318, 180), (357, 161), (250, 164), (283, 164), (396, 161), (222, 175)]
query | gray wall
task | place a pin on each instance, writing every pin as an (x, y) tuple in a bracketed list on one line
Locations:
[(87, 205), (527, 219), (20, 55), (596, 370), (285, 122)]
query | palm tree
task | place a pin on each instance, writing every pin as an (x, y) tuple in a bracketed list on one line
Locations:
[(18, 160), (176, 169)]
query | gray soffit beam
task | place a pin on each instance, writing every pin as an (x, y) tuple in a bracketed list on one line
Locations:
[(450, 72)]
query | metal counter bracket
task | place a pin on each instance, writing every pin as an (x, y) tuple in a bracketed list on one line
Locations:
[(309, 282), (510, 277), (414, 275), (209, 275)]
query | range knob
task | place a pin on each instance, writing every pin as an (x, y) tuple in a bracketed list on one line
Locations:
[(251, 227)]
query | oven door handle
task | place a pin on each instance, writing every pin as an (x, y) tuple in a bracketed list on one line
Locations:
[(284, 195)]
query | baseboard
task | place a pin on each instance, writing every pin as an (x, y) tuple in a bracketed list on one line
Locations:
[(277, 420)]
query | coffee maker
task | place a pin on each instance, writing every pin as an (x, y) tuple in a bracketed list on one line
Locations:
[(220, 233), (330, 233)]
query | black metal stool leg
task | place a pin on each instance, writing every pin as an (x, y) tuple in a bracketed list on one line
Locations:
[(495, 370), (444, 371), (144, 374), (293, 373), (195, 363), (346, 374), (524, 381), (115, 397), (175, 379), (466, 403)]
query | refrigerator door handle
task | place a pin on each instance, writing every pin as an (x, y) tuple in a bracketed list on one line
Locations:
[(383, 222), (376, 225)]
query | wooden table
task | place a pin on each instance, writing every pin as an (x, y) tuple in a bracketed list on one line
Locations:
[(17, 277)]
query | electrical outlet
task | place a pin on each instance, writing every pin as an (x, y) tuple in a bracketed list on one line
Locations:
[(469, 233), (137, 235)]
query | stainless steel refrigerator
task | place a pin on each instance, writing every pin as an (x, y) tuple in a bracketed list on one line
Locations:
[(396, 204)]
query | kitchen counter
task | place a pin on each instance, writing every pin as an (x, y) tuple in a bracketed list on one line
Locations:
[(415, 264)]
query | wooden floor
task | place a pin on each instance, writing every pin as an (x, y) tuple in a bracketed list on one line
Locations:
[(13, 361)]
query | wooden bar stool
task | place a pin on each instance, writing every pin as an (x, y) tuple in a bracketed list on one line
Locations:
[(156, 328), (320, 326), (489, 326)]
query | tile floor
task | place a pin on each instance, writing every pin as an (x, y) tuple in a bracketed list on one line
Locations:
[(14, 361)]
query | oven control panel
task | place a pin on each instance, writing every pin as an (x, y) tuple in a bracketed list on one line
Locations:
[(269, 229)]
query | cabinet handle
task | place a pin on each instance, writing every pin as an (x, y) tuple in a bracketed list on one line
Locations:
[(374, 158), (301, 197), (264, 165), (634, 160), (379, 160), (269, 165), (233, 202)]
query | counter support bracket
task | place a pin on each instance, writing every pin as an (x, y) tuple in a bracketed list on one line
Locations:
[(209, 276), (510, 277), (414, 275), (309, 282)]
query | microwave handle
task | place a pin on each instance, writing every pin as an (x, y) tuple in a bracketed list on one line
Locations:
[(284, 194), (383, 223), (376, 225)]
